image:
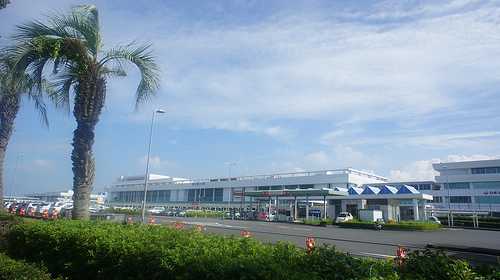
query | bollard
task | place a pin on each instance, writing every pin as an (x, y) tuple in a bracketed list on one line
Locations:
[(401, 255), (54, 215), (309, 244)]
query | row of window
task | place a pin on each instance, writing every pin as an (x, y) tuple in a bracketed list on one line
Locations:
[(205, 194), (138, 196), (467, 199), (486, 170), (475, 185), (287, 187)]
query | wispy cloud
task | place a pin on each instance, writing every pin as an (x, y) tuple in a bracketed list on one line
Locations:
[(422, 170)]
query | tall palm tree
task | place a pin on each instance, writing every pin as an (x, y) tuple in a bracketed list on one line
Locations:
[(13, 85), (72, 43)]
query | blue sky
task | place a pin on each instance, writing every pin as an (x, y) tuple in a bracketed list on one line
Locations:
[(388, 87)]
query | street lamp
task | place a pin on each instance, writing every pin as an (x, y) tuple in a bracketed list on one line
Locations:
[(449, 198), (160, 111), (229, 197), (15, 171)]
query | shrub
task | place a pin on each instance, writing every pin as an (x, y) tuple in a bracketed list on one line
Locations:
[(393, 226), (18, 269), (107, 250), (6, 222), (127, 211), (434, 264)]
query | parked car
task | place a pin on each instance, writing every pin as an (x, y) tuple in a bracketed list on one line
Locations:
[(56, 206), (165, 212), (66, 211), (156, 210), (343, 216), (41, 208), (33, 206), (21, 206), (433, 219)]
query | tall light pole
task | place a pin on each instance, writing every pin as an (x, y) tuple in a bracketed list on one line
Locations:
[(160, 111), (449, 197), (229, 179), (14, 179)]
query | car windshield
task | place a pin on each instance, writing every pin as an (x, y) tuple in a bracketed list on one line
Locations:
[(342, 215)]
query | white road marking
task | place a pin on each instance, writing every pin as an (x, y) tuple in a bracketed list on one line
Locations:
[(379, 255)]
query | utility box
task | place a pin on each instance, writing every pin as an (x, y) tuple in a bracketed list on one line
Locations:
[(370, 215)]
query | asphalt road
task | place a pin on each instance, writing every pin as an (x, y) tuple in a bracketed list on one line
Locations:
[(474, 245)]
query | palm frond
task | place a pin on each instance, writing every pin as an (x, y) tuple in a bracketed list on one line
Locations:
[(141, 57), (17, 82)]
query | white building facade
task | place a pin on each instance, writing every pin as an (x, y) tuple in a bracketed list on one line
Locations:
[(222, 192), (472, 185), (467, 185)]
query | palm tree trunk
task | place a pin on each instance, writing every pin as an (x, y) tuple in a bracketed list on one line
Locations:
[(9, 107), (90, 94)]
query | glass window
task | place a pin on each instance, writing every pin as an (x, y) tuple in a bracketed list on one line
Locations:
[(487, 200), (458, 185), (266, 188), (486, 185), (424, 187), (191, 194), (460, 199), (208, 195), (486, 170), (218, 194), (276, 188)]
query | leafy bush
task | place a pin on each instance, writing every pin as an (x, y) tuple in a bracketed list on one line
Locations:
[(434, 264), (127, 211), (393, 226), (6, 222), (18, 269), (484, 222), (106, 250)]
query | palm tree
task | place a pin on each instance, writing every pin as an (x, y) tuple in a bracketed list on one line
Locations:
[(73, 44), (13, 85)]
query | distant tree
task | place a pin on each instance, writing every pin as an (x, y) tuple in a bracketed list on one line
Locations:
[(73, 44), (13, 86), (3, 3)]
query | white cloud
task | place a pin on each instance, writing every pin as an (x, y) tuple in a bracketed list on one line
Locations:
[(451, 141), (416, 171), (156, 164), (422, 170), (345, 71), (339, 157)]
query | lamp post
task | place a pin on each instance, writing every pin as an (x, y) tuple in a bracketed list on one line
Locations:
[(14, 179), (160, 111), (449, 197), (229, 191)]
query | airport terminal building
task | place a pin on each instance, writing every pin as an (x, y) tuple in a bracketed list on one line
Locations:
[(288, 196), (471, 185)]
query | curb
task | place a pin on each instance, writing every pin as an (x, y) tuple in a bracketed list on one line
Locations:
[(478, 250)]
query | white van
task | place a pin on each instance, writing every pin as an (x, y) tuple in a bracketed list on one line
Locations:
[(433, 219)]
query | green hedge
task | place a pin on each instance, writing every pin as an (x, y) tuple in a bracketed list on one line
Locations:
[(127, 211), (466, 221), (393, 226), (106, 250), (19, 270)]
